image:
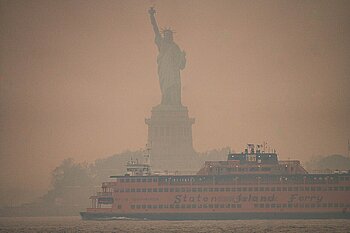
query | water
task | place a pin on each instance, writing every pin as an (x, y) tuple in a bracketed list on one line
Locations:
[(75, 224)]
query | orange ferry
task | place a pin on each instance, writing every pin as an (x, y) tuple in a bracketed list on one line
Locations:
[(249, 185)]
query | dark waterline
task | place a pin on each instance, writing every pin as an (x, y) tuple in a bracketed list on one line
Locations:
[(75, 224)]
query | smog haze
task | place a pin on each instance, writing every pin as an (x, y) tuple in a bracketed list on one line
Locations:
[(78, 78)]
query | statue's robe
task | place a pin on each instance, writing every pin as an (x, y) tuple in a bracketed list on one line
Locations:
[(170, 61)]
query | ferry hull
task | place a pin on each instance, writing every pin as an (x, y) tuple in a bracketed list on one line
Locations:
[(212, 216)]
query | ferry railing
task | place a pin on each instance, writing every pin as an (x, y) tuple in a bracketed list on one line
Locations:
[(104, 194)]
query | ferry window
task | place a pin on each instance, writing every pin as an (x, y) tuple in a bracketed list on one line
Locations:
[(222, 189), (177, 206), (267, 189), (211, 206), (138, 206), (132, 206), (155, 206), (307, 205), (155, 190), (296, 205), (210, 189), (284, 205), (273, 205), (160, 190), (273, 189), (216, 206), (149, 180), (250, 189), (194, 190), (199, 189), (144, 180), (301, 188), (165, 189), (301, 205), (188, 190), (330, 204), (336, 205), (324, 205), (233, 189), (256, 205), (295, 189), (121, 180), (194, 206), (166, 206), (335, 188), (228, 206), (341, 205), (188, 206), (347, 188), (144, 190), (177, 190), (121, 190), (127, 180), (149, 206), (132, 190), (183, 189), (307, 188), (127, 190), (278, 205), (318, 188), (278, 188), (205, 206), (267, 205), (149, 190), (261, 189), (172, 206), (238, 189), (284, 188), (143, 206), (290, 188), (244, 189), (313, 188), (341, 188), (347, 178), (160, 206), (119, 206), (222, 206), (138, 190), (256, 189), (216, 189), (138, 180), (329, 188), (261, 205), (206, 189), (154, 179), (171, 189), (239, 205), (318, 205)]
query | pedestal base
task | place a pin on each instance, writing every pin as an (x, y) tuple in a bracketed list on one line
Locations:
[(170, 138)]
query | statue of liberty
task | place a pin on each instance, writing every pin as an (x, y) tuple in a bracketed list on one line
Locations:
[(170, 61)]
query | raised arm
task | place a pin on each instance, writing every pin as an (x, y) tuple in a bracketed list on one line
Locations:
[(152, 12)]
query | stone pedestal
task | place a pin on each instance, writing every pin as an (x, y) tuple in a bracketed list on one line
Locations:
[(170, 139)]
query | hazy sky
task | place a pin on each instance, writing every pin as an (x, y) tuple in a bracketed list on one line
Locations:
[(77, 78)]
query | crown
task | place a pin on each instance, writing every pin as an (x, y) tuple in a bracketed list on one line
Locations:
[(167, 29)]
